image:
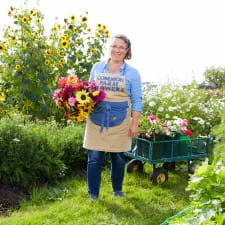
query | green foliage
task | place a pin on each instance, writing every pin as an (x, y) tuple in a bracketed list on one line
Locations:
[(215, 75), (69, 141), (32, 59), (197, 106), (40, 152), (207, 186)]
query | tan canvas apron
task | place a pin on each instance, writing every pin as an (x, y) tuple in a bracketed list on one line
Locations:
[(112, 139)]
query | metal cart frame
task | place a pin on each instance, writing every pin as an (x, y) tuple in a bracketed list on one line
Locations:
[(166, 152)]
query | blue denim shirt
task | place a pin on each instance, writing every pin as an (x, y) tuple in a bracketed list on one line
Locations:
[(132, 79)]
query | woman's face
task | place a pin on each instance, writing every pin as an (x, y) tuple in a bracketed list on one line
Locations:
[(118, 49)]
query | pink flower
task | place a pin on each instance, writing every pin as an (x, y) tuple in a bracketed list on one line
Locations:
[(184, 123), (99, 97), (151, 117), (62, 82), (72, 101), (56, 94)]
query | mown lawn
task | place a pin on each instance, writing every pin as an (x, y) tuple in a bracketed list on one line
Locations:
[(68, 202)]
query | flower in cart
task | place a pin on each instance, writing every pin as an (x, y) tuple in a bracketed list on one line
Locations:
[(155, 129), (178, 125), (152, 128), (77, 98)]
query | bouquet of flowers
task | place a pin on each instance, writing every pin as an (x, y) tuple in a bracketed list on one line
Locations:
[(155, 129), (77, 98)]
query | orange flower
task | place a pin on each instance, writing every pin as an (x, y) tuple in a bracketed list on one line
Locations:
[(72, 80)]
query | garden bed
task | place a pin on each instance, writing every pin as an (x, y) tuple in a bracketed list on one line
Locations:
[(10, 197)]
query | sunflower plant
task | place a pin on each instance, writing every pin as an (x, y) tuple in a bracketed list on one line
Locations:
[(77, 98), (33, 58)]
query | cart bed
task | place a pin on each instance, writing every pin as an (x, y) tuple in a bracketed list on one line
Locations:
[(169, 150)]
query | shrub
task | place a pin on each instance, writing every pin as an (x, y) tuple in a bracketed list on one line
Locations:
[(40, 152), (69, 141)]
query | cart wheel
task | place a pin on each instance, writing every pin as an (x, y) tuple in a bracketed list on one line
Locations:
[(159, 176), (192, 166), (170, 166), (134, 165)]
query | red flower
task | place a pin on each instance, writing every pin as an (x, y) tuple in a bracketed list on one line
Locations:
[(187, 132)]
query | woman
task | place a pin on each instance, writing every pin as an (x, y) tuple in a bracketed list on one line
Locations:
[(112, 125)]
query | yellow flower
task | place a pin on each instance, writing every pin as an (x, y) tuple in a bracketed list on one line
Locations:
[(83, 97), (58, 65), (13, 38), (18, 67), (2, 47), (2, 97), (73, 18), (84, 19), (69, 121), (32, 12), (107, 34), (95, 93), (49, 52), (25, 19), (99, 26), (64, 37), (60, 52), (38, 21), (62, 61), (64, 43), (47, 62)]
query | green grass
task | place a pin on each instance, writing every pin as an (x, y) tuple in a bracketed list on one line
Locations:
[(68, 202)]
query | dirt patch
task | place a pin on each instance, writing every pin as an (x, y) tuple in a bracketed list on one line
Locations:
[(10, 197)]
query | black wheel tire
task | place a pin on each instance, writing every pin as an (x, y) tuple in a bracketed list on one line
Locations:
[(169, 166), (193, 165), (159, 176), (134, 165)]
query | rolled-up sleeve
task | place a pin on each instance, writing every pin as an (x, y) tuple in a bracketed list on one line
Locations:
[(134, 88)]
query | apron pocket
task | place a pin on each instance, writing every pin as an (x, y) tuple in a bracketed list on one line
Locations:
[(109, 114)]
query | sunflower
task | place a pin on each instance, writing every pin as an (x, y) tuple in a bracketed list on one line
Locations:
[(73, 18), (18, 67), (62, 61), (47, 62), (2, 47), (64, 43), (32, 12), (83, 97), (25, 19), (84, 19), (49, 52), (99, 26)]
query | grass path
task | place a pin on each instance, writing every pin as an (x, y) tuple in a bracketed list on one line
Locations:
[(68, 203)]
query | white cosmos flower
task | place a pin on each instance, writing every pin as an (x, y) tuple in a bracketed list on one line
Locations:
[(151, 103)]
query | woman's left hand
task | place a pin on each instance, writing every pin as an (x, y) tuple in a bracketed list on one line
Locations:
[(133, 131)]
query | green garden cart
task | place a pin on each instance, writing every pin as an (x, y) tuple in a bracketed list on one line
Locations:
[(164, 154)]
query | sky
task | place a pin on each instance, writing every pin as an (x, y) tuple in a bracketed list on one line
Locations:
[(172, 40)]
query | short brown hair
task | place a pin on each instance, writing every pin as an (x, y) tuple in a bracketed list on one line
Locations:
[(128, 43)]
